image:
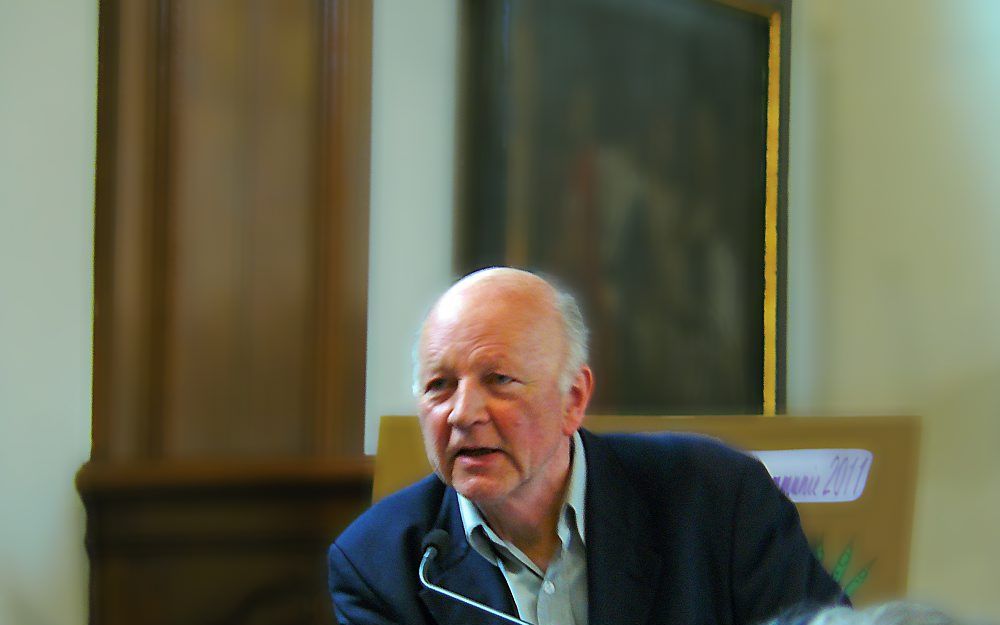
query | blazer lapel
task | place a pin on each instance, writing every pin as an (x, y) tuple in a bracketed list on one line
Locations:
[(462, 570), (622, 572)]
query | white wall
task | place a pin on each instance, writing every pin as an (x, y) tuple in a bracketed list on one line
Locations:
[(894, 293), (412, 195), (48, 68)]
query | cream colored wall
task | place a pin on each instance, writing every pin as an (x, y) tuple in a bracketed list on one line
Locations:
[(48, 65), (894, 286), (413, 145)]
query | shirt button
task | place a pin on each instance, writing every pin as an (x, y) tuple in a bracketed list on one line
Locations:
[(548, 587)]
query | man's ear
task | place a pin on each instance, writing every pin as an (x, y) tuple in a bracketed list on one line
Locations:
[(576, 400)]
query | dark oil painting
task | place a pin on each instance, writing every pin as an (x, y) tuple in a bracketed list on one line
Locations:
[(619, 147)]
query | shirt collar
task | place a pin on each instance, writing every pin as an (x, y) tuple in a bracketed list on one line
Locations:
[(480, 535)]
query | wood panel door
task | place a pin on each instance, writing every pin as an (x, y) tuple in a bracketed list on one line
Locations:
[(231, 278)]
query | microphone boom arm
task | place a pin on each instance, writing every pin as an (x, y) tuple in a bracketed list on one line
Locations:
[(429, 554)]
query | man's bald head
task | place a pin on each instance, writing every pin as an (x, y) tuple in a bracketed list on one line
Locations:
[(494, 285), (536, 300)]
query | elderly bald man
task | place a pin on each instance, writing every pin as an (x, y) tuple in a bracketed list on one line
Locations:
[(539, 519)]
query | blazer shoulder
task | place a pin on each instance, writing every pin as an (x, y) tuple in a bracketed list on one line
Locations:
[(678, 451)]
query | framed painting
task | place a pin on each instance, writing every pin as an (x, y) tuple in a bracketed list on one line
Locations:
[(634, 151)]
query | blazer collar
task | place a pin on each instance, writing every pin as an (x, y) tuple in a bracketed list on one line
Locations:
[(621, 569)]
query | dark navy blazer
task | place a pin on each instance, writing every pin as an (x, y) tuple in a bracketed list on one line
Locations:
[(680, 529)]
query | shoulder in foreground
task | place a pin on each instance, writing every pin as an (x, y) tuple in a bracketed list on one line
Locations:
[(412, 509)]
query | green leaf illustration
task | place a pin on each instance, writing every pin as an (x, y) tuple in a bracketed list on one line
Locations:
[(858, 579), (842, 562)]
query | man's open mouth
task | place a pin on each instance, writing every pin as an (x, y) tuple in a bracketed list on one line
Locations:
[(475, 452)]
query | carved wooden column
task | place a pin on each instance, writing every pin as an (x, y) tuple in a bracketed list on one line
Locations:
[(231, 277)]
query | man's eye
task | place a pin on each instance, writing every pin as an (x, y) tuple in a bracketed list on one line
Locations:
[(434, 385), (500, 379)]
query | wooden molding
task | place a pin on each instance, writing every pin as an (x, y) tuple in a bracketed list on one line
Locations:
[(97, 478)]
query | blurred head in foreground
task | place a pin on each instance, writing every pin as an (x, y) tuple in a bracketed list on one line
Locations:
[(893, 613)]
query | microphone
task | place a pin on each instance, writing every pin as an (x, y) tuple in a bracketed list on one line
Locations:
[(436, 543)]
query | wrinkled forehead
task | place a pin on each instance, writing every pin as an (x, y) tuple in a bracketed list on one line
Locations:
[(508, 323)]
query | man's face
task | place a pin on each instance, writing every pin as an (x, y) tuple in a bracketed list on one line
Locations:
[(494, 421)]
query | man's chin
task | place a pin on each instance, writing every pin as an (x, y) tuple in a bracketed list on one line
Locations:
[(479, 489)]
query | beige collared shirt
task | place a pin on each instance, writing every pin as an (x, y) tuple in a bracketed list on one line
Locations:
[(557, 596)]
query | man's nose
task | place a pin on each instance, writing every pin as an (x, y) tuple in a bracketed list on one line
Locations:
[(469, 407)]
